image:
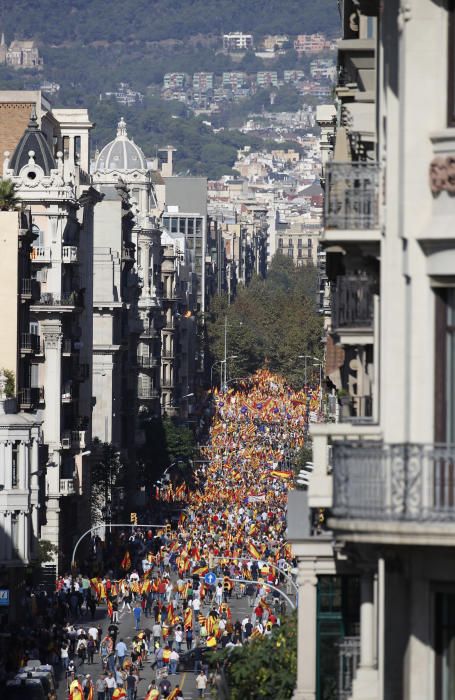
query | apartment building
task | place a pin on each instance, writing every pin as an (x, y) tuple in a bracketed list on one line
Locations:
[(382, 484), (266, 78), (310, 43), (202, 82), (237, 41), (53, 329), (127, 306)]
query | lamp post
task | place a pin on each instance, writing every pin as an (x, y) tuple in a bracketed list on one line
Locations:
[(319, 364), (308, 357)]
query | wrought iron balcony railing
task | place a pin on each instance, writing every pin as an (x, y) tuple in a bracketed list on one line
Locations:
[(395, 482), (348, 662), (147, 361), (30, 342), (353, 302), (351, 196), (31, 396), (147, 393)]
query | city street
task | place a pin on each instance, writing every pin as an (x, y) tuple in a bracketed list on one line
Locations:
[(186, 680)]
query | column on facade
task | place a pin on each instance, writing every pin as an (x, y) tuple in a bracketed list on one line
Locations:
[(3, 464), (52, 332), (34, 489), (8, 543), (8, 452), (365, 685), (21, 544), (306, 631), (22, 467)]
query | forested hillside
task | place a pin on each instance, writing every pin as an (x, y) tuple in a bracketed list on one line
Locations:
[(126, 21)]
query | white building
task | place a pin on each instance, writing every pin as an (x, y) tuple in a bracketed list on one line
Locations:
[(383, 475), (237, 41)]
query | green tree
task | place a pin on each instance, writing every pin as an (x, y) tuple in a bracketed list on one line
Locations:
[(265, 667), (271, 322), (10, 383), (8, 197)]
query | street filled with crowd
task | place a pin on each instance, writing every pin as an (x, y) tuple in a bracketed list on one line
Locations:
[(179, 585)]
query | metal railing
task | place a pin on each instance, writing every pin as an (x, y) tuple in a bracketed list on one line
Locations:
[(351, 196), (40, 254), (128, 250), (67, 487), (30, 288), (400, 481), (146, 392), (348, 661), (358, 409), (167, 354), (353, 302), (67, 346), (31, 396), (149, 333), (50, 299), (30, 342), (147, 361), (69, 254)]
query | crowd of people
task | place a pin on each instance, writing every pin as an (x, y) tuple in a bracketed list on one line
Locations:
[(232, 524)]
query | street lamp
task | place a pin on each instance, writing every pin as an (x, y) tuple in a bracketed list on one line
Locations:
[(307, 357)]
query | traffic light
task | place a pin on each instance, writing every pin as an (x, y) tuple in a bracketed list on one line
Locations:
[(133, 518)]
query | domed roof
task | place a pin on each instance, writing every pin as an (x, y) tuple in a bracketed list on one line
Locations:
[(121, 153), (33, 140)]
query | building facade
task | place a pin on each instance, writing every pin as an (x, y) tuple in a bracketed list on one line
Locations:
[(382, 475)]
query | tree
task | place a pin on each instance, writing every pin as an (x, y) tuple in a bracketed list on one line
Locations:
[(271, 322), (107, 474), (8, 199), (10, 383), (265, 667)]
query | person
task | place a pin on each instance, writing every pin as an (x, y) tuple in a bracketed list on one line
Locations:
[(76, 691), (137, 615), (173, 662), (152, 692), (64, 656), (197, 658), (88, 688), (201, 683), (91, 648), (131, 685), (119, 694), (121, 650), (100, 687), (110, 685), (165, 687), (176, 694), (81, 650)]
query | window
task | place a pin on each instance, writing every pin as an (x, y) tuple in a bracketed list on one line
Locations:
[(182, 226), (445, 645), (15, 535), (15, 465), (299, 253), (451, 67), (280, 243), (299, 243), (445, 366)]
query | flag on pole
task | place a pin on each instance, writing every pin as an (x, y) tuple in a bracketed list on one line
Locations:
[(126, 561)]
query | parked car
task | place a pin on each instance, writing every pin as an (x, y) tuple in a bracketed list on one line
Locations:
[(47, 681), (186, 660), (24, 689)]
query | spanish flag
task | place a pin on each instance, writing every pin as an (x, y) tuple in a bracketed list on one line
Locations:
[(188, 619), (201, 571), (126, 561), (255, 553), (280, 475), (109, 608)]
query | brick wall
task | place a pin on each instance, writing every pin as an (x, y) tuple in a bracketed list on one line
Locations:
[(14, 118), (334, 356)]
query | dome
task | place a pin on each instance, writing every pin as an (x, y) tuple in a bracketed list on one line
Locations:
[(32, 140), (121, 153)]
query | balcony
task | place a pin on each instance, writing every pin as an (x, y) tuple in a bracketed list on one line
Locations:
[(67, 392), (30, 397), (167, 355), (29, 343), (149, 332), (146, 393), (353, 302), (49, 301), (40, 255), (68, 487), (70, 254), (30, 289), (148, 362), (73, 439), (402, 491), (128, 252), (351, 200), (67, 347)]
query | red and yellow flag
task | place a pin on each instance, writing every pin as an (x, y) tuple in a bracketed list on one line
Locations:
[(255, 553), (126, 561)]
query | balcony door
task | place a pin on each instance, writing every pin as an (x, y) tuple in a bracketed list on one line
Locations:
[(445, 366), (445, 645)]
